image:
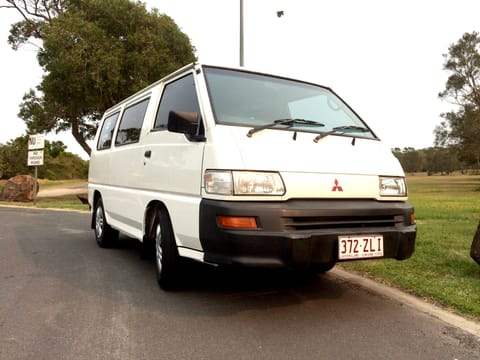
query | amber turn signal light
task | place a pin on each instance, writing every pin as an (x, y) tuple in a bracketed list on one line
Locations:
[(237, 222)]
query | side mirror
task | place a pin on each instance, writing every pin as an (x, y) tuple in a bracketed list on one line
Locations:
[(182, 122)]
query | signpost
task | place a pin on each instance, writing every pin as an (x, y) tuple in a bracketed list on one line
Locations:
[(35, 158), (36, 143)]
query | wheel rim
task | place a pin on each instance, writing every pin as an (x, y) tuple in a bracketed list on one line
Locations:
[(99, 222), (158, 247)]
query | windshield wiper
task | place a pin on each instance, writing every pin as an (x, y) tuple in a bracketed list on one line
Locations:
[(341, 129), (288, 122)]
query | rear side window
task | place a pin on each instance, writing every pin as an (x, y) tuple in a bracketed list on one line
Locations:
[(131, 123), (106, 135), (179, 95)]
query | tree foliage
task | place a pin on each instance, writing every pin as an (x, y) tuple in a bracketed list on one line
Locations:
[(58, 164), (433, 160), (442, 160), (94, 53), (13, 158), (410, 159), (460, 128)]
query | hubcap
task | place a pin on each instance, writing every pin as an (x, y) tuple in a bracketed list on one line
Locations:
[(99, 221), (158, 247)]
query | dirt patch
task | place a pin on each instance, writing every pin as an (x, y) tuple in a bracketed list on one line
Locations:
[(63, 190)]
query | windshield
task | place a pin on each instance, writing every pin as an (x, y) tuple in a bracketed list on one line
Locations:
[(255, 100)]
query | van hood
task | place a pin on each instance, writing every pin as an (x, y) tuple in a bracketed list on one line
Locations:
[(279, 150)]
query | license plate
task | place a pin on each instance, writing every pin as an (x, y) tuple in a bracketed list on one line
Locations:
[(360, 247)]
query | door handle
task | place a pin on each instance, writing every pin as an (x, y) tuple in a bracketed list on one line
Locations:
[(148, 153)]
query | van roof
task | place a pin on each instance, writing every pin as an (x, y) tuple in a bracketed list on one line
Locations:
[(196, 65), (152, 85)]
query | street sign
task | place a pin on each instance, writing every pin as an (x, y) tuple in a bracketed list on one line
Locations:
[(35, 158), (36, 142)]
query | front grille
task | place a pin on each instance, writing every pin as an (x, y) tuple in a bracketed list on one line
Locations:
[(299, 223)]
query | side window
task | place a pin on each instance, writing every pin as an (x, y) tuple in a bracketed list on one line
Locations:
[(179, 95), (105, 138), (131, 123)]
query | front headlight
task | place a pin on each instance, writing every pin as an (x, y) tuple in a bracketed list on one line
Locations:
[(225, 182), (218, 182), (392, 186)]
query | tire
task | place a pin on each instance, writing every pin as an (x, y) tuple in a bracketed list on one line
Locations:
[(105, 235), (311, 271), (167, 259), (322, 268)]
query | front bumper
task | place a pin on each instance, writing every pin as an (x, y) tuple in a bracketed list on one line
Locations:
[(300, 233)]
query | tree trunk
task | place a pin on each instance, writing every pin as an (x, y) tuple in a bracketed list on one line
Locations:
[(78, 136), (475, 249)]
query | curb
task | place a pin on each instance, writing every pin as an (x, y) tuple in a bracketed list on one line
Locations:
[(40, 209), (470, 326)]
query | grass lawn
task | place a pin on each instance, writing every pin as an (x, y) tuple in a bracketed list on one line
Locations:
[(447, 211), (55, 202)]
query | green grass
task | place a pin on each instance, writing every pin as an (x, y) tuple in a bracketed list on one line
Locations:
[(67, 202), (61, 202), (54, 202), (447, 211)]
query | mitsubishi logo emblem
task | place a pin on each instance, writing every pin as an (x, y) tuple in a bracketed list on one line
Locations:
[(337, 187)]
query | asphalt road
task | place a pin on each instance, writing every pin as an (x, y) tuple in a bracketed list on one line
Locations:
[(62, 297)]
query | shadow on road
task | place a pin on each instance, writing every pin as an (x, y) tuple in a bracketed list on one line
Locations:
[(121, 276), (229, 289)]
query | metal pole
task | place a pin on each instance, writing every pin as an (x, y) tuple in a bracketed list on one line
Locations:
[(35, 187), (241, 33)]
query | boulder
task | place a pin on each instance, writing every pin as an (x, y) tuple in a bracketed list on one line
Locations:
[(19, 188), (475, 249)]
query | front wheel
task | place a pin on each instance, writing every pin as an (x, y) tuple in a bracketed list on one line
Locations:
[(322, 268), (105, 235), (167, 258)]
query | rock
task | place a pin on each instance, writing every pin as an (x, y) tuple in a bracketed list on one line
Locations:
[(19, 188), (475, 249)]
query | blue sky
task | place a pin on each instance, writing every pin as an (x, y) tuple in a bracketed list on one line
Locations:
[(383, 57)]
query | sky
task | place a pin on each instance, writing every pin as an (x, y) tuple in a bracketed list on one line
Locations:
[(384, 58)]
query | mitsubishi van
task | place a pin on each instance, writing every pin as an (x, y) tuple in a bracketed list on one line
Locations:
[(227, 166)]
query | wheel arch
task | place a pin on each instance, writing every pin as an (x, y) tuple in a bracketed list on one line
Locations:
[(149, 217)]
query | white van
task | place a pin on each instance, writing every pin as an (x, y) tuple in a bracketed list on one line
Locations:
[(231, 167)]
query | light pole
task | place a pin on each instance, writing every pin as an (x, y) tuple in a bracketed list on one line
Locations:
[(241, 34), (279, 14)]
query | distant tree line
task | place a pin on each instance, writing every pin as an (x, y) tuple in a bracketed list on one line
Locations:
[(433, 160), (58, 163)]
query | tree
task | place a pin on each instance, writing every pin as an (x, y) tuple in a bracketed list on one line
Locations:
[(64, 166), (442, 160), (13, 158), (55, 148), (410, 159), (461, 127), (94, 53)]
